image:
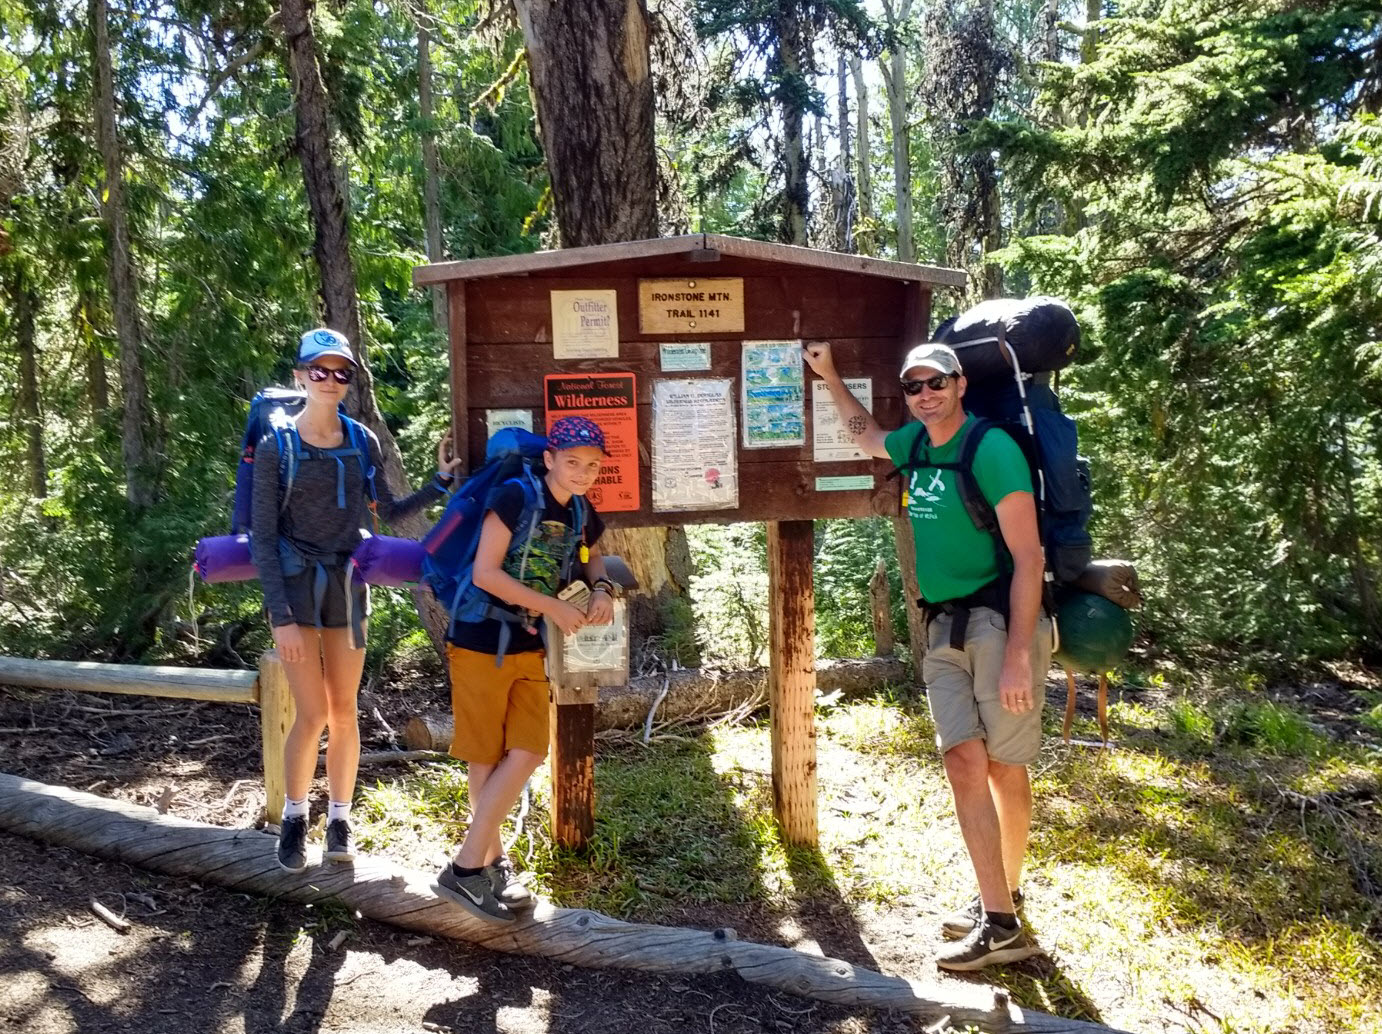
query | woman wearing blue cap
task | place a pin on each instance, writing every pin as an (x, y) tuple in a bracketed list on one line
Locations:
[(305, 528)]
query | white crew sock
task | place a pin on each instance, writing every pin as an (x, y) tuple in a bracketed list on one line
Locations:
[(337, 810), (294, 809)]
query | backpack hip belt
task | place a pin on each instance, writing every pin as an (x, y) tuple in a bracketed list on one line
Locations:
[(995, 596)]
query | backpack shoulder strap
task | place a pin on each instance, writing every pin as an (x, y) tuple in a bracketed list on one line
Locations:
[(289, 453), (980, 510), (359, 440)]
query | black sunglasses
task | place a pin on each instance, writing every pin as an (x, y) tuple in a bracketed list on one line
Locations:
[(936, 383), (317, 374)]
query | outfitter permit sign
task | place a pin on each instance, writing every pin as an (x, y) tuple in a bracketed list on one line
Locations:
[(692, 305)]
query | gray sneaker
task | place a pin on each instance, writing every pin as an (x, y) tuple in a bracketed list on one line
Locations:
[(340, 841), (474, 893), (959, 922), (292, 844), (988, 944), (507, 888)]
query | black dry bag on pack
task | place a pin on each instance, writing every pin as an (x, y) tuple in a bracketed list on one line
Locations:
[(1041, 331)]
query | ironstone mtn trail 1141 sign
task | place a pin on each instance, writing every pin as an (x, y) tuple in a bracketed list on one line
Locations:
[(692, 305)]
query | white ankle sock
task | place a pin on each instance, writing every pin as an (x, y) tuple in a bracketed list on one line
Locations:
[(294, 809), (337, 810)]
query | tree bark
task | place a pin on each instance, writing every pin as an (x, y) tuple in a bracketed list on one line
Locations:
[(28, 413), (842, 181), (589, 66), (97, 384), (431, 174), (895, 82), (795, 189), (863, 239), (124, 281)]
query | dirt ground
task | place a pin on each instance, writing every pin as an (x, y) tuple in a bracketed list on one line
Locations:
[(197, 958)]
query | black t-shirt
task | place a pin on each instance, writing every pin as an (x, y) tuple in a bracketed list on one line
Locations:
[(538, 567)]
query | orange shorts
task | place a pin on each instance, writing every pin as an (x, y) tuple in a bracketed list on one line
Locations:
[(497, 708)]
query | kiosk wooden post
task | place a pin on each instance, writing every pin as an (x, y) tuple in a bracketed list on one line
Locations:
[(276, 714), (792, 677), (685, 309), (572, 733)]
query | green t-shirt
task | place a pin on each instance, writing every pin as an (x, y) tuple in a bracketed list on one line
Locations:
[(954, 558)]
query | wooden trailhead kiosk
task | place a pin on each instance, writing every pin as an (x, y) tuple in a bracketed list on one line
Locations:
[(687, 351)]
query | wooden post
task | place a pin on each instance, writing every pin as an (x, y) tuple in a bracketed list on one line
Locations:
[(881, 603), (460, 388), (572, 732), (792, 678), (275, 719), (573, 762)]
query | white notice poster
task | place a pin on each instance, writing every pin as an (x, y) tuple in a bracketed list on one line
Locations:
[(495, 419), (694, 462), (831, 438), (599, 647), (585, 324)]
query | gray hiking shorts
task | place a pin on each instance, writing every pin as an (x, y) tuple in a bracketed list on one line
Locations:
[(962, 687)]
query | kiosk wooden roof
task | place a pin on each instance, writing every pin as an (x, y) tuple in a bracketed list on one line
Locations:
[(871, 309)]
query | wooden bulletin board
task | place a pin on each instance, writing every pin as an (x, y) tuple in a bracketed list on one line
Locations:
[(703, 296)]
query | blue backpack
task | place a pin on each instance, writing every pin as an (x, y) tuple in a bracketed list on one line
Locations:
[(512, 456), (274, 411)]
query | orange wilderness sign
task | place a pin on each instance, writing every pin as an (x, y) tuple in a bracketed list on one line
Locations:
[(608, 399)]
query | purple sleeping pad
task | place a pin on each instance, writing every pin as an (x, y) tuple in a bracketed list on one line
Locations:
[(385, 560), (225, 558)]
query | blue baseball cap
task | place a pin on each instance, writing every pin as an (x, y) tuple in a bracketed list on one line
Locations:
[(324, 341), (571, 432)]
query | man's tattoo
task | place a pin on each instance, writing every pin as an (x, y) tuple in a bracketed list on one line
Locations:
[(857, 425)]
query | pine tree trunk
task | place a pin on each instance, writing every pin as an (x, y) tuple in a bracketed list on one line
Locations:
[(841, 180), (895, 81), (326, 197), (864, 240), (796, 189), (589, 67), (28, 415), (97, 384), (431, 174), (124, 281)]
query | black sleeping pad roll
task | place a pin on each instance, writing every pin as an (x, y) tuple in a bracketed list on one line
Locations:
[(1041, 330)]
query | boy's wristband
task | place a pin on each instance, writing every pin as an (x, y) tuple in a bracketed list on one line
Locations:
[(605, 585)]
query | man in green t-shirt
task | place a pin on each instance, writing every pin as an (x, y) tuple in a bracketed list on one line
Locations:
[(989, 644)]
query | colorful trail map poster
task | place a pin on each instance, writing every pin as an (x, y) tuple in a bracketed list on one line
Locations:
[(774, 394)]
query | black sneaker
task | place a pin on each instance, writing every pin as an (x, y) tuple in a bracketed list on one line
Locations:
[(292, 844), (340, 841), (958, 923), (505, 883), (473, 893), (988, 944)]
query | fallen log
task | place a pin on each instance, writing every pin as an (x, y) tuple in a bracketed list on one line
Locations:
[(225, 686), (691, 693), (244, 860)]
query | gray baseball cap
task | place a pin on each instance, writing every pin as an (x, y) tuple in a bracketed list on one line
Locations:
[(938, 357)]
